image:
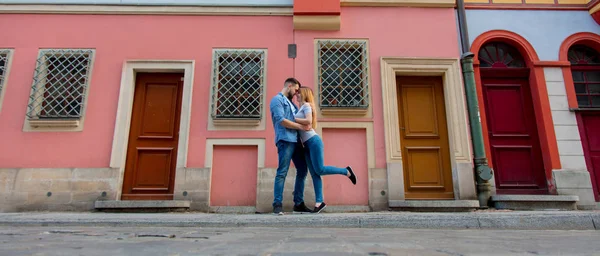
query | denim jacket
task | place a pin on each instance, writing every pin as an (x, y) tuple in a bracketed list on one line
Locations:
[(280, 109)]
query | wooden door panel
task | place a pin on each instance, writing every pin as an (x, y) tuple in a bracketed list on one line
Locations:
[(516, 163), (424, 138), (506, 106), (152, 169), (425, 168), (595, 160), (419, 101), (513, 137), (159, 112), (592, 128), (153, 137), (591, 141)]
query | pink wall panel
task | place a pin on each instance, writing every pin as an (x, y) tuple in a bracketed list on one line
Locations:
[(392, 32), (407, 32), (116, 39), (234, 176), (345, 147)]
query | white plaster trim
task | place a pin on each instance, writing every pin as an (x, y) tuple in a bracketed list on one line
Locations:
[(145, 10), (4, 84), (210, 146), (449, 70), (58, 125), (237, 124), (458, 134), (343, 112), (368, 126), (118, 154), (210, 143)]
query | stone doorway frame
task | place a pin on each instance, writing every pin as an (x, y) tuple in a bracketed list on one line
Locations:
[(124, 110), (458, 133)]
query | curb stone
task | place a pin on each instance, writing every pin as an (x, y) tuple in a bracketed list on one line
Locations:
[(577, 220)]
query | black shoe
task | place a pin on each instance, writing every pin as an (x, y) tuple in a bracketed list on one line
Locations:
[(320, 208), (301, 208), (352, 177), (278, 210)]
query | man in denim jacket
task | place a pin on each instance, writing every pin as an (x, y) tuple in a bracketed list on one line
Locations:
[(288, 146)]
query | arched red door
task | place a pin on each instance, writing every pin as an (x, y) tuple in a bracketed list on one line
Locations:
[(585, 67), (512, 131)]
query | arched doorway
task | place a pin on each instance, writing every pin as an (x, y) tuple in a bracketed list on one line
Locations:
[(513, 136), (585, 69)]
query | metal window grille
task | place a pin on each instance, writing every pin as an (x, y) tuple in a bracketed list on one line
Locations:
[(59, 83), (3, 67), (343, 73), (238, 78)]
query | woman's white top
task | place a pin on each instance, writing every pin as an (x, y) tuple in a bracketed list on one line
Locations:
[(302, 113)]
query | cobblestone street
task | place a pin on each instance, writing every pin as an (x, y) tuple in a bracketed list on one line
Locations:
[(290, 241)]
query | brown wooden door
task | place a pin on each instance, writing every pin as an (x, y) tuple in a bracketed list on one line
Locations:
[(513, 137), (424, 138), (153, 137)]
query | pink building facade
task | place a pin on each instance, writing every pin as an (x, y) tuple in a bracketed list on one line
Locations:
[(81, 81)]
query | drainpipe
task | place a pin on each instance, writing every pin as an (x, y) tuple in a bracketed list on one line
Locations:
[(483, 173)]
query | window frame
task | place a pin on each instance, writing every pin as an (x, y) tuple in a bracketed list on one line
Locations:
[(5, 75), (241, 121), (585, 68), (33, 122), (344, 110)]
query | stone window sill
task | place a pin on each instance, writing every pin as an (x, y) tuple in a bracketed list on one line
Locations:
[(54, 123), (357, 112), (236, 122)]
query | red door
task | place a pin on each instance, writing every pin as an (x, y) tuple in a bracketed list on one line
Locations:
[(513, 136), (590, 134)]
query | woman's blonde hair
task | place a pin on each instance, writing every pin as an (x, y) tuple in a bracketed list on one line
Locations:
[(307, 96)]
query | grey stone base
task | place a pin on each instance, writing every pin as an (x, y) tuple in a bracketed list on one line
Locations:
[(232, 209), (508, 220), (142, 205), (535, 202), (345, 208), (434, 205)]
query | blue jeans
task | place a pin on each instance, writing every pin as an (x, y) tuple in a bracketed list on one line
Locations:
[(290, 151), (313, 148)]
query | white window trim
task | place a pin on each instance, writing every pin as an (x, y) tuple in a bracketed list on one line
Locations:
[(118, 154), (344, 112), (9, 57), (239, 124), (63, 125)]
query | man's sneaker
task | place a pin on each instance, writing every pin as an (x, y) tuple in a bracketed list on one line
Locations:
[(277, 209), (352, 177), (301, 208), (320, 208)]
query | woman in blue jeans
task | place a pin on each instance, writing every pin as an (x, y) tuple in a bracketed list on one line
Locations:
[(313, 147)]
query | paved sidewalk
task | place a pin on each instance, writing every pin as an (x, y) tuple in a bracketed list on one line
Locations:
[(513, 220)]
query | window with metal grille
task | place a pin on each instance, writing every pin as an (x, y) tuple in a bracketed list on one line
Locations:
[(585, 67), (60, 83), (3, 67), (238, 79), (343, 73)]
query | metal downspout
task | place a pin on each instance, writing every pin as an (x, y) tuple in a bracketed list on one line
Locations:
[(483, 173)]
